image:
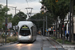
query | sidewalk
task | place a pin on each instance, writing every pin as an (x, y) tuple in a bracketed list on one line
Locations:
[(66, 46)]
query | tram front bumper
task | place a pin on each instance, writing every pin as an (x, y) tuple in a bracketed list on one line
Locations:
[(25, 38)]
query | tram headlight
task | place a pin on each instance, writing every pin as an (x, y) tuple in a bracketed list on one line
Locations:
[(29, 36), (19, 36)]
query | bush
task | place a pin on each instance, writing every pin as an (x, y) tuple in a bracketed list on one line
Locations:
[(1, 40), (8, 41), (3, 35), (12, 39)]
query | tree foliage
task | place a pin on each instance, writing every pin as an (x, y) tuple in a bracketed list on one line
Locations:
[(39, 16), (3, 10), (60, 8), (15, 20), (21, 15), (18, 17)]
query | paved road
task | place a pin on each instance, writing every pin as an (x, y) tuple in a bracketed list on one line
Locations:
[(42, 43)]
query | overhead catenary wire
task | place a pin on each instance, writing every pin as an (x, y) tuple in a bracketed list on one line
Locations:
[(27, 3), (28, 9)]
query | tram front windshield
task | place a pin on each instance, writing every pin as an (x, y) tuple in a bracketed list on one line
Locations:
[(24, 31)]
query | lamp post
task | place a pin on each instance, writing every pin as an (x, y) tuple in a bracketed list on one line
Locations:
[(46, 26)]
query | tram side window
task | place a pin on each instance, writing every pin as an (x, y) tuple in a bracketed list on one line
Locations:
[(32, 29)]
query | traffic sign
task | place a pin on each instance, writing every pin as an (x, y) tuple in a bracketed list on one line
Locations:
[(47, 30)]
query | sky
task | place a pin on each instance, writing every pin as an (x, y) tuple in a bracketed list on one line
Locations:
[(22, 4)]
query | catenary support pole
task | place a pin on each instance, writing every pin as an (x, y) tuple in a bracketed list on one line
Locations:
[(6, 21), (46, 25)]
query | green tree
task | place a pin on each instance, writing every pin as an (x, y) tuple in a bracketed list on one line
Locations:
[(15, 20), (38, 16), (10, 18), (21, 15), (3, 10), (37, 23), (60, 8), (18, 17)]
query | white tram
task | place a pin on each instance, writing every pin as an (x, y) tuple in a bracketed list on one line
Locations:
[(26, 31)]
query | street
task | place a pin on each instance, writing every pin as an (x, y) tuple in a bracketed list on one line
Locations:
[(52, 20), (41, 43)]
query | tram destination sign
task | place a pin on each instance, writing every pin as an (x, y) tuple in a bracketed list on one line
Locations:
[(24, 27)]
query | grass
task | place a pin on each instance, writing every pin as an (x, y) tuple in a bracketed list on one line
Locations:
[(59, 40), (53, 38), (67, 42)]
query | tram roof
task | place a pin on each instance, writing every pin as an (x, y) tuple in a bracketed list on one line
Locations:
[(25, 22), (28, 23)]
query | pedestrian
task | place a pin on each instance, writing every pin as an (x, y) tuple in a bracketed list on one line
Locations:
[(67, 35), (49, 32)]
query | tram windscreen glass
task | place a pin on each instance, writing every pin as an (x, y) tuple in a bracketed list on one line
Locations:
[(24, 31)]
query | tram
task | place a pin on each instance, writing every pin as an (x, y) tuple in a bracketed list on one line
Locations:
[(27, 31)]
